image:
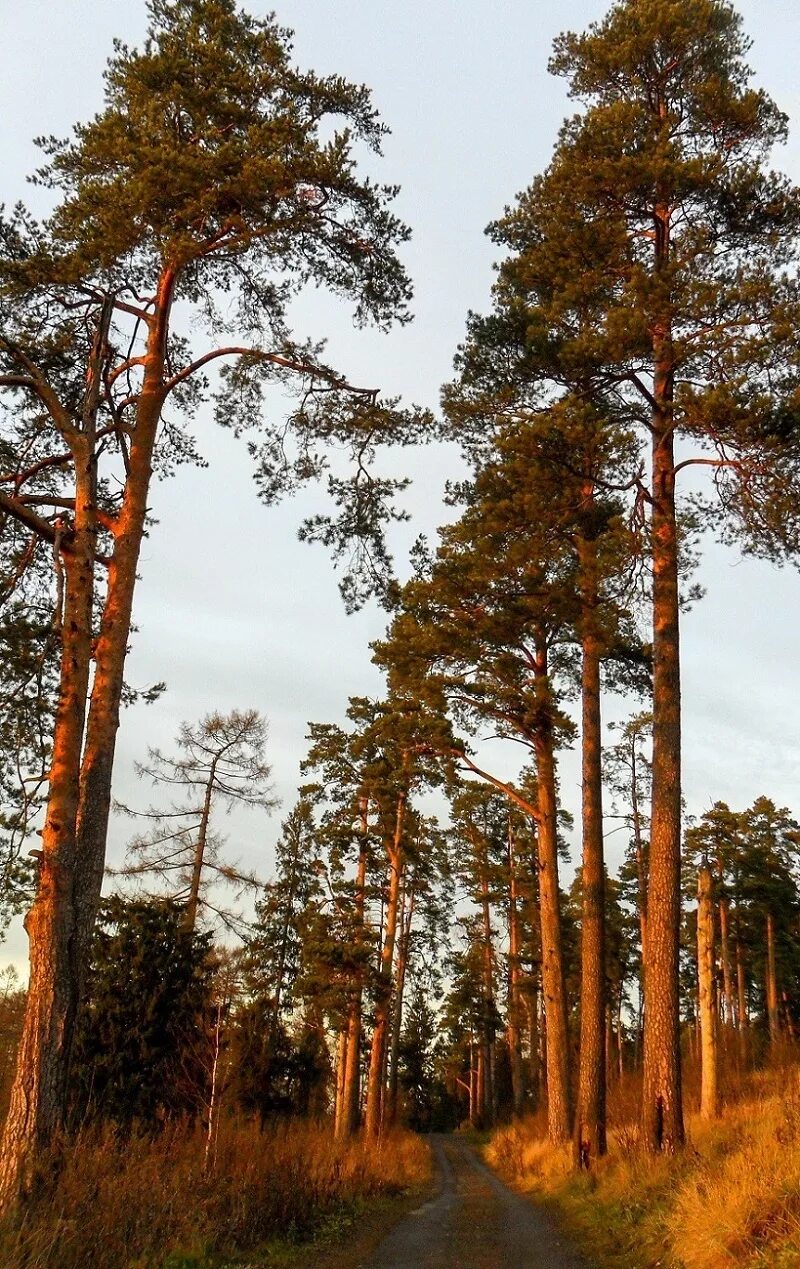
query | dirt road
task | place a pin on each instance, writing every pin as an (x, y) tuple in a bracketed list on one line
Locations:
[(474, 1222)]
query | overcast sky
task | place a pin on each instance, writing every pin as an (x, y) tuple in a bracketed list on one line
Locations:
[(232, 611)]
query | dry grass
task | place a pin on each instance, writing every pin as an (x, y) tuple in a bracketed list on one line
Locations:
[(145, 1203), (731, 1198)]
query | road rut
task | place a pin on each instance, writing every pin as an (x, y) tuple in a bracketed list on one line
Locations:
[(474, 1222)]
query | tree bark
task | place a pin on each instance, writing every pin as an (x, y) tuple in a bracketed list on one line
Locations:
[(112, 644), (488, 1037), (404, 943), (590, 1119), (772, 985), (742, 1012), (38, 1095), (339, 1099), (555, 1008), (383, 1006), (347, 1124), (514, 991), (709, 1059), (199, 859), (662, 1105)]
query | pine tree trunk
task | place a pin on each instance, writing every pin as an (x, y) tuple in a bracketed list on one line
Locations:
[(347, 1124), (339, 1110), (555, 1009), (662, 1105), (61, 922), (772, 985), (742, 1013), (534, 1067), (709, 1061), (112, 644), (199, 857), (380, 1033), (620, 1038), (487, 1102), (406, 920), (514, 993), (473, 1086), (590, 1119), (38, 1094), (728, 1012)]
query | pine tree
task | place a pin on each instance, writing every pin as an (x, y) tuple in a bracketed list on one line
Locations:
[(653, 259), (210, 171), (221, 759)]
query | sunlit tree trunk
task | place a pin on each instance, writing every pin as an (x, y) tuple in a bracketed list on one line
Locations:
[(590, 1119), (404, 942), (772, 984), (742, 1011), (380, 1033), (38, 1095), (473, 1084), (728, 1010), (709, 1062), (339, 1100), (534, 1064), (662, 1105), (112, 643), (488, 1037), (555, 1010), (514, 992), (347, 1123)]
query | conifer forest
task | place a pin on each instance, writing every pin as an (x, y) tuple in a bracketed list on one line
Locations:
[(452, 918)]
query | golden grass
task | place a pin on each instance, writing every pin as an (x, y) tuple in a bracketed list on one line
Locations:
[(144, 1203), (732, 1197)]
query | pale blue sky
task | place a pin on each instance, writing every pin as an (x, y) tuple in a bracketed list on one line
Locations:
[(232, 611)]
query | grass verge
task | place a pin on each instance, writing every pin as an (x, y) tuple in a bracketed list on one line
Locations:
[(731, 1198), (147, 1203)]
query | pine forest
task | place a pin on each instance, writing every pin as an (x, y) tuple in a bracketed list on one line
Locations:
[(426, 892)]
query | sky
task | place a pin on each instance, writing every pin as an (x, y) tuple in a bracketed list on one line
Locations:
[(233, 612)]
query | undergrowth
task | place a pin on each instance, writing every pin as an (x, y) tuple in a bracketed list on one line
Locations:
[(148, 1203)]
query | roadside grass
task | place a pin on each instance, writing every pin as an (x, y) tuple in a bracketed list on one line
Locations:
[(147, 1203), (732, 1197)]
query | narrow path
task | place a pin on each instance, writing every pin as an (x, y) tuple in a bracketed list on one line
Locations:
[(474, 1222)]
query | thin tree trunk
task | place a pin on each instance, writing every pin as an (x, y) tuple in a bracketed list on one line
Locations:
[(590, 1119), (348, 1123), (473, 1085), (190, 920), (531, 999), (404, 944), (382, 1009), (742, 1013), (514, 976), (555, 1009), (709, 1060), (772, 985), (487, 1102), (341, 1066), (728, 1012)]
